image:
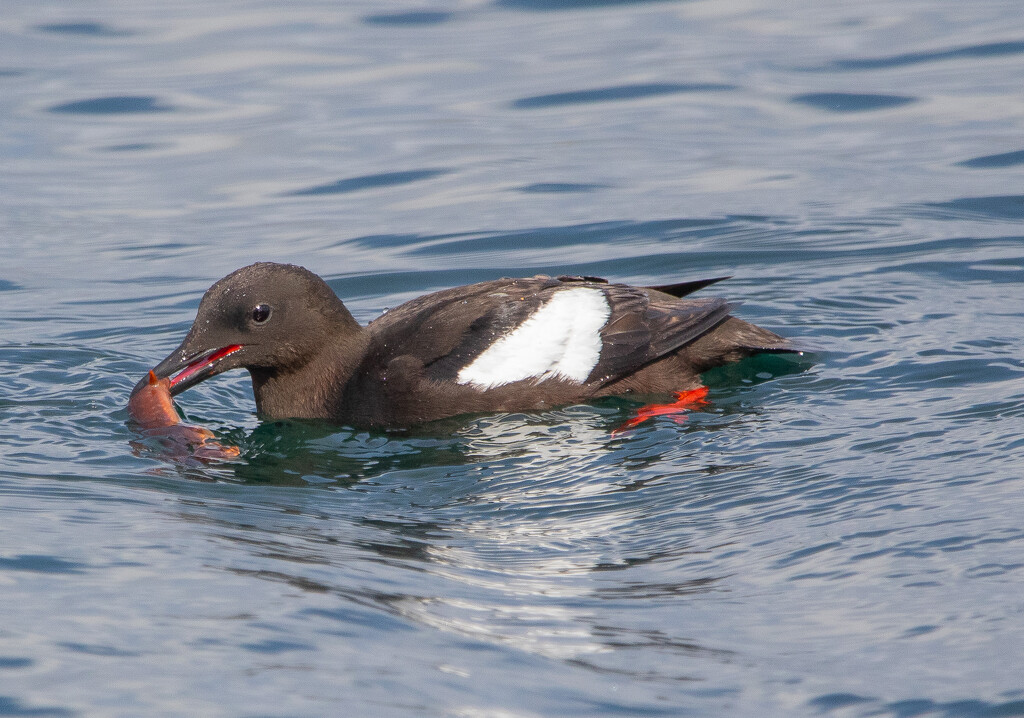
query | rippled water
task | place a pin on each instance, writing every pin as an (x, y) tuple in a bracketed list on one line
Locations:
[(841, 536)]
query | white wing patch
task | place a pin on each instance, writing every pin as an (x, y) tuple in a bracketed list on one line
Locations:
[(561, 340)]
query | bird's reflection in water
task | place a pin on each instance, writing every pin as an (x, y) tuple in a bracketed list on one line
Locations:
[(528, 531)]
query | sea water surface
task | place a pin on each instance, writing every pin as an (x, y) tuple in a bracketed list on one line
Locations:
[(842, 535)]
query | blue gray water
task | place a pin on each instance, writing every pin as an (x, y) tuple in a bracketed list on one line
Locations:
[(839, 537)]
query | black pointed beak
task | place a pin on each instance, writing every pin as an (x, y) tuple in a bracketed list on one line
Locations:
[(187, 370)]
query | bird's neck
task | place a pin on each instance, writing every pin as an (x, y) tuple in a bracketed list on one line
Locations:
[(313, 390)]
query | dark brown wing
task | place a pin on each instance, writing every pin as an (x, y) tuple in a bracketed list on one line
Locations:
[(452, 327), (643, 329), (445, 330)]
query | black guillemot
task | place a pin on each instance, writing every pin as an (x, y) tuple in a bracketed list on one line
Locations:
[(496, 346)]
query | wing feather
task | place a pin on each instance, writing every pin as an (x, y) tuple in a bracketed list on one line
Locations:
[(452, 327), (642, 330)]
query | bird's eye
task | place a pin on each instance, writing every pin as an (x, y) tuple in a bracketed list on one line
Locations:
[(261, 313)]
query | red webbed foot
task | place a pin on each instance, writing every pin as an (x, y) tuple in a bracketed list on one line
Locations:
[(685, 401)]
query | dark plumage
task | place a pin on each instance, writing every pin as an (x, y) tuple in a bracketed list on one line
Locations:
[(424, 360)]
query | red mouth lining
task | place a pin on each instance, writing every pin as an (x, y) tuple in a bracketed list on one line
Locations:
[(206, 361)]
